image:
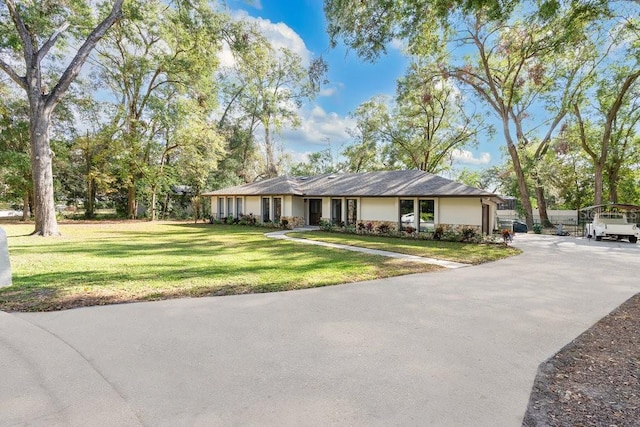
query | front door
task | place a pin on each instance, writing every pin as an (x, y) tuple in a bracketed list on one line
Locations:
[(485, 219), (315, 211)]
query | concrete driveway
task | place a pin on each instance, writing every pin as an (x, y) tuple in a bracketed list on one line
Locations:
[(453, 348)]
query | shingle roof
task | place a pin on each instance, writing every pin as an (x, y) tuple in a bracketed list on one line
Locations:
[(404, 183)]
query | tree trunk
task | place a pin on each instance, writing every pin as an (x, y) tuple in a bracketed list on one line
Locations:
[(598, 177), (542, 207), (612, 180), (131, 201), (26, 206), (522, 181), (154, 197), (89, 211), (42, 169), (165, 208), (272, 171)]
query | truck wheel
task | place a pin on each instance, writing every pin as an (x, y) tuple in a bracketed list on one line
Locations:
[(598, 238), (633, 239)]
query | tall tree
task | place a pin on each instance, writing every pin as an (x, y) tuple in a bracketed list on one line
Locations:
[(160, 55), (264, 94), (37, 28), (504, 57), (431, 120)]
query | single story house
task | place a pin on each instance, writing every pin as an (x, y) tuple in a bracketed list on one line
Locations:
[(400, 199)]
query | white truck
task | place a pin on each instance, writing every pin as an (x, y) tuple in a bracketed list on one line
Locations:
[(612, 225)]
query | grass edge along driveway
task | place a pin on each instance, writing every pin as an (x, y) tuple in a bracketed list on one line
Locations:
[(450, 251), (100, 263)]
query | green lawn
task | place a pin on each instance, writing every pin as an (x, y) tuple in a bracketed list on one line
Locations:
[(105, 263), (450, 251)]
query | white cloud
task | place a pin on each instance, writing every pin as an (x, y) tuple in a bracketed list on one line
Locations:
[(398, 44), (256, 4), (466, 157), (318, 129), (279, 34), (328, 91)]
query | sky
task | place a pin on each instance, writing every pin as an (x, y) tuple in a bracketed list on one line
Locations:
[(300, 26)]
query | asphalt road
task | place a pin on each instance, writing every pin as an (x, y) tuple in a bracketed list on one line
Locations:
[(454, 348)]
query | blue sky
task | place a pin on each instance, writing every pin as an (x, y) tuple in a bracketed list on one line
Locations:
[(300, 26)]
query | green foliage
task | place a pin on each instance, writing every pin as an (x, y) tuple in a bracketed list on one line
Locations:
[(537, 228), (317, 163), (469, 234), (438, 233), (326, 225)]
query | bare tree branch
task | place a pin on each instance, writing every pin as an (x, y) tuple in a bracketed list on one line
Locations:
[(81, 56), (24, 33), (22, 82), (51, 41)]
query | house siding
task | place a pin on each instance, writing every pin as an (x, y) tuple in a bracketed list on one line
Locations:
[(460, 211), (379, 209), (253, 206)]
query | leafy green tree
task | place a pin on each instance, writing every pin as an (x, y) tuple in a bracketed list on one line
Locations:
[(263, 94), (365, 153), (431, 120), (317, 163), (15, 166), (157, 60), (503, 58), (28, 33)]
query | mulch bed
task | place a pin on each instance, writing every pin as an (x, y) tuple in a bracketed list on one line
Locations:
[(594, 380)]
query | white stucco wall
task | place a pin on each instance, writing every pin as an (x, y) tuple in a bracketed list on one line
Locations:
[(462, 211), (378, 209), (297, 207), (252, 205)]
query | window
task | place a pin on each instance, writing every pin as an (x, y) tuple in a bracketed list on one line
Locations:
[(277, 208), (352, 211), (336, 211), (427, 215), (407, 213), (220, 207), (265, 210), (238, 207), (229, 206)]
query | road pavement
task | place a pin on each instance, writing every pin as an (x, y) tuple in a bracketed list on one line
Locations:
[(453, 348)]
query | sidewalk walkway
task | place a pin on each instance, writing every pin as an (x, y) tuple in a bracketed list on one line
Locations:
[(282, 234)]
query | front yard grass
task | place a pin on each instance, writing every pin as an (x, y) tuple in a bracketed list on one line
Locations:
[(105, 263), (451, 251)]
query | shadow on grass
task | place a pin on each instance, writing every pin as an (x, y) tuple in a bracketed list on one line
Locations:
[(116, 266)]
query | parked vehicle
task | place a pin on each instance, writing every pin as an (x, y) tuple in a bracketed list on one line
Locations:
[(612, 225), (514, 225), (408, 220)]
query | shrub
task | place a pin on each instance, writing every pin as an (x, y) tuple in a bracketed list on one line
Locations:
[(326, 225), (369, 227), (284, 223), (409, 230), (384, 229), (469, 234), (229, 219), (537, 228), (247, 220), (451, 236), (438, 233), (361, 226)]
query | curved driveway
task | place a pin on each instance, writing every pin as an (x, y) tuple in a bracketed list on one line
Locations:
[(452, 348)]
